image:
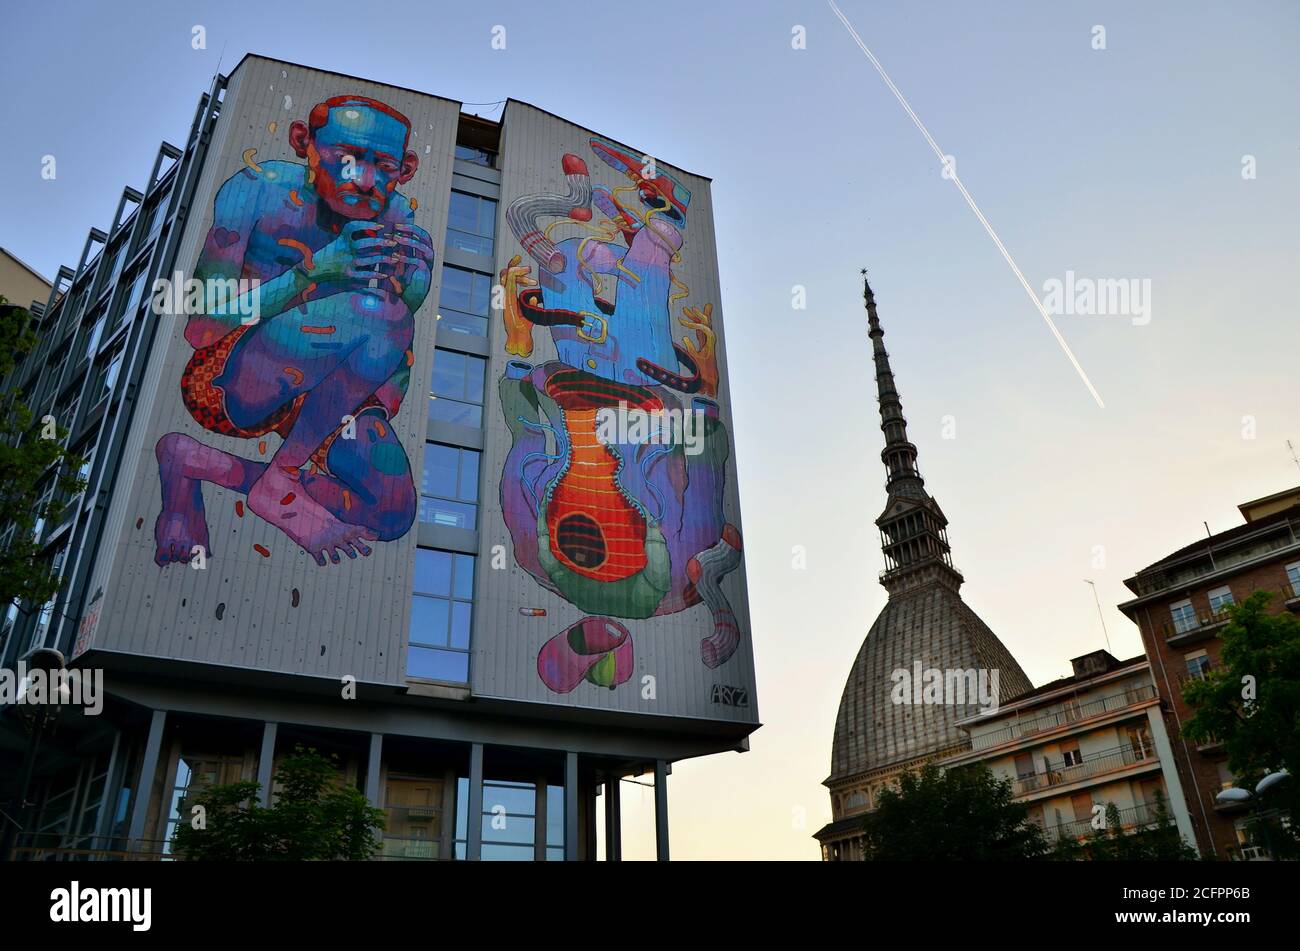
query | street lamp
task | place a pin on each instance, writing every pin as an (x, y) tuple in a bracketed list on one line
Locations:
[(1271, 780), (1238, 795)]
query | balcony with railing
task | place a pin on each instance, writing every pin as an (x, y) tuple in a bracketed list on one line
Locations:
[(1069, 714), (1291, 594), (1195, 628), (1094, 764), (1188, 572), (1141, 816)]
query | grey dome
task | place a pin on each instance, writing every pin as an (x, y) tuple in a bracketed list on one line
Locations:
[(933, 625)]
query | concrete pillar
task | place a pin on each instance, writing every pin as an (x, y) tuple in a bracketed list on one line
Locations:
[(447, 838), (539, 820), (112, 788), (1175, 800), (571, 794), (144, 783), (613, 822), (266, 762), (661, 810), (373, 769), (474, 810)]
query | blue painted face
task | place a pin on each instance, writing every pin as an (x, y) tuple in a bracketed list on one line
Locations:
[(357, 159)]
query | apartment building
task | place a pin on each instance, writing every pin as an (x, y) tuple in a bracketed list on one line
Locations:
[(1076, 745), (1180, 608)]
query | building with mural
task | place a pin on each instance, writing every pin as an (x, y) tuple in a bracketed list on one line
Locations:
[(408, 438)]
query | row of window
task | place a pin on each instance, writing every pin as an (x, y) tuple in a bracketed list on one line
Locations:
[(465, 297), (1184, 615), (442, 600)]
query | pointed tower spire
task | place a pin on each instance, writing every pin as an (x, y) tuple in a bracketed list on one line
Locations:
[(899, 455), (913, 529)]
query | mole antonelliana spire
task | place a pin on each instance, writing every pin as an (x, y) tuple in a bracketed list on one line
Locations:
[(924, 622)]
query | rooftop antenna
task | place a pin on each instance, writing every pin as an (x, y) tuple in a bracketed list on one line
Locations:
[(1293, 457), (1105, 633)]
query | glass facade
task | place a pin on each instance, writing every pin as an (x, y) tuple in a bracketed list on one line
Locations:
[(464, 301), (441, 615), (456, 395), (471, 223), (449, 486)]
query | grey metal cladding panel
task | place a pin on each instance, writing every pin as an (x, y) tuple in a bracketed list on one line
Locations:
[(349, 618), (506, 641)]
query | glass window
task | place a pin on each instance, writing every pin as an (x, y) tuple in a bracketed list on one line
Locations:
[(1184, 617), (1293, 578), (471, 223), (555, 823), (441, 616), (156, 218), (449, 487), (195, 774), (509, 821), (97, 328), (414, 810), (467, 153), (457, 392), (464, 301), (119, 258), (1198, 664), (133, 297), (1220, 598), (106, 376)]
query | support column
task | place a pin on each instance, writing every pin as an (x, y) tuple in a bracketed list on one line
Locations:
[(447, 836), (613, 822), (373, 769), (144, 784), (266, 762), (661, 810), (112, 790), (571, 807), (539, 820), (474, 810)]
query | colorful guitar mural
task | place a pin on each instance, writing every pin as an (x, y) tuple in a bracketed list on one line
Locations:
[(341, 268), (626, 528)]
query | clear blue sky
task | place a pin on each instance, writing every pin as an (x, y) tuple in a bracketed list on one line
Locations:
[(1116, 163)]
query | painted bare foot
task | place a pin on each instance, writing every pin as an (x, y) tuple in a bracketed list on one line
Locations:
[(182, 528), (279, 498)]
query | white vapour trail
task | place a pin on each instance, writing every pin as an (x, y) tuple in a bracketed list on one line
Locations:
[(971, 201)]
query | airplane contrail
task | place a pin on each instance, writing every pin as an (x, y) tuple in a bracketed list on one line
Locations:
[(970, 201)]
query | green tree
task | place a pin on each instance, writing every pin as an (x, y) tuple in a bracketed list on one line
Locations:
[(32, 454), (959, 814), (315, 816), (1250, 703)]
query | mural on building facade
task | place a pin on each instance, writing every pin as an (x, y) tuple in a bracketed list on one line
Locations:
[(324, 362), (608, 503)]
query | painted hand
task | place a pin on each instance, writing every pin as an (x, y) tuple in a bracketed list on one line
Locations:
[(703, 347), (519, 329)]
